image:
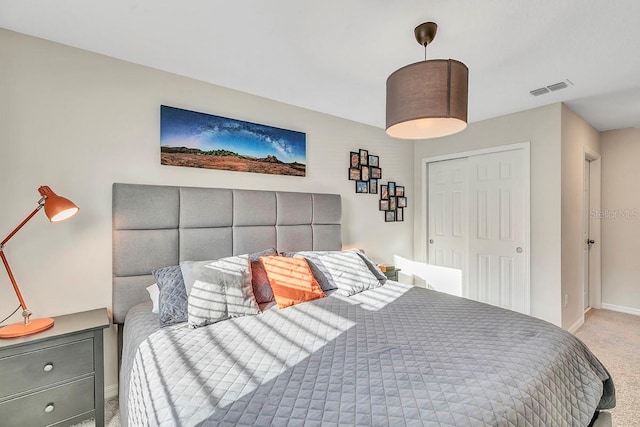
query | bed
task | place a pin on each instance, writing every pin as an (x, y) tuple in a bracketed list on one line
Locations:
[(391, 355)]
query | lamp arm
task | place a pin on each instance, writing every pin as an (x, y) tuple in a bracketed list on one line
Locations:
[(15, 230), (25, 311), (13, 281)]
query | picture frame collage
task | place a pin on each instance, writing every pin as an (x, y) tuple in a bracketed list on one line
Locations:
[(392, 201), (364, 169)]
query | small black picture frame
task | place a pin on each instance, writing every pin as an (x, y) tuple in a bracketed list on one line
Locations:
[(364, 157), (402, 202), (392, 188), (374, 161), (400, 214), (364, 172), (390, 216), (384, 192), (373, 186), (375, 172), (354, 174), (384, 205), (354, 161), (362, 186), (400, 190), (392, 203)]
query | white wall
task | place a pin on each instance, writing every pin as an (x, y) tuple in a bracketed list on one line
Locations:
[(80, 121), (540, 126), (620, 151), (577, 135)]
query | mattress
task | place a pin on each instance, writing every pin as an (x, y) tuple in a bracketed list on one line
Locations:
[(394, 355)]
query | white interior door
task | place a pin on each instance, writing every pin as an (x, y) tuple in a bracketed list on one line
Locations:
[(478, 223), (498, 247), (586, 230), (448, 216)]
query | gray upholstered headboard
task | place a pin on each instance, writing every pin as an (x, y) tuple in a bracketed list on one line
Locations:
[(156, 226)]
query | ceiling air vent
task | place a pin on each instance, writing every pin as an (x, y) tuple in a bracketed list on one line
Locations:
[(551, 88), (557, 86), (538, 92)]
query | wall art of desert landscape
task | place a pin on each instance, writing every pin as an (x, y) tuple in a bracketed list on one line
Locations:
[(199, 140)]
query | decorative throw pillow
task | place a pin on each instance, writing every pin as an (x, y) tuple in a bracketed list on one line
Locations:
[(349, 272), (172, 299), (343, 270), (259, 280), (221, 289), (291, 280), (372, 266), (154, 295), (189, 269), (318, 269)]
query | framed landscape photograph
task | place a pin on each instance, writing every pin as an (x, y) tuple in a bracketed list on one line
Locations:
[(199, 140), (373, 186), (392, 188), (362, 186), (364, 158), (400, 190), (402, 202), (354, 159), (354, 174), (374, 161), (384, 205), (400, 214), (376, 172), (384, 192), (390, 216)]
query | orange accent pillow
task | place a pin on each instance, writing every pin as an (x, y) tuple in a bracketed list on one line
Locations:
[(291, 280)]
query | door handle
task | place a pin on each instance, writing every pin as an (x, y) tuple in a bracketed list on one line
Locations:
[(591, 242), (431, 241)]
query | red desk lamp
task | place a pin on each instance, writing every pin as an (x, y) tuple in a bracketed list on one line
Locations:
[(57, 209)]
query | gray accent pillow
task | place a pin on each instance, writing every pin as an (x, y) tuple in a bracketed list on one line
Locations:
[(259, 280), (221, 289), (328, 267), (172, 300)]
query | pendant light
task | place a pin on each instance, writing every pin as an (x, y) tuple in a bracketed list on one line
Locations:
[(427, 99)]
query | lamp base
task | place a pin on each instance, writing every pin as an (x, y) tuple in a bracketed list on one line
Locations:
[(20, 329)]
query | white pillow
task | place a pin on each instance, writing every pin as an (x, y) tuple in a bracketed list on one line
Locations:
[(220, 290), (154, 294), (349, 272)]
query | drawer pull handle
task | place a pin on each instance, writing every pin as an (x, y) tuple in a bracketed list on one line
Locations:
[(48, 368), (49, 408)]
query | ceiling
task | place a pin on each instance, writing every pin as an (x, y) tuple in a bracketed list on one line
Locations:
[(334, 56)]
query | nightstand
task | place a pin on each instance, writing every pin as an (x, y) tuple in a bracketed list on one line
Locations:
[(392, 274), (55, 377)]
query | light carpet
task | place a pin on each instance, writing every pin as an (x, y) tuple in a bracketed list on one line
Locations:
[(613, 337), (615, 340)]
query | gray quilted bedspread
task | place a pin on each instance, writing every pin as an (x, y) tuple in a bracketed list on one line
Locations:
[(391, 356)]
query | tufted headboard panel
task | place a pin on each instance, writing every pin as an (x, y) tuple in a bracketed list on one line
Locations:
[(156, 226)]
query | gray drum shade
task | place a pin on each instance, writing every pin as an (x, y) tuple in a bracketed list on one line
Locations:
[(427, 99)]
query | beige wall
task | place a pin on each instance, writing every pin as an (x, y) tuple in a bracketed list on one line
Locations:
[(79, 121), (540, 126), (621, 223), (577, 136)]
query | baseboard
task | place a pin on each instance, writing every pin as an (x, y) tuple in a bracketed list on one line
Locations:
[(110, 391), (621, 309), (576, 325)]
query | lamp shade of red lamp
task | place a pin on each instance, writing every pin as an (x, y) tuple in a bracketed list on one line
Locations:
[(57, 209)]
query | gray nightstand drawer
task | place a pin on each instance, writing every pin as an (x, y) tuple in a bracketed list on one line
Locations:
[(50, 365), (64, 402)]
